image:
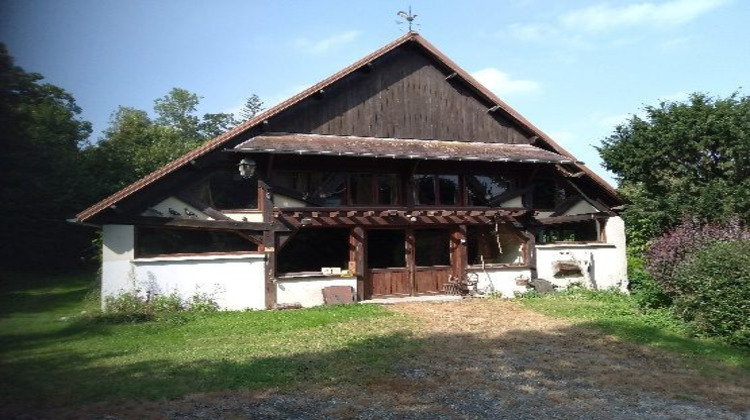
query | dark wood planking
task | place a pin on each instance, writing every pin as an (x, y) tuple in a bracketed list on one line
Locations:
[(390, 282), (430, 280), (406, 96)]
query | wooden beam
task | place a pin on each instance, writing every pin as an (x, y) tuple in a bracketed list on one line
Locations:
[(529, 250), (203, 207), (357, 259), (269, 245), (189, 223), (570, 219), (459, 253)]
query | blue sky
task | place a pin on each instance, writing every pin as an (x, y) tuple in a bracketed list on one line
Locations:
[(573, 68)]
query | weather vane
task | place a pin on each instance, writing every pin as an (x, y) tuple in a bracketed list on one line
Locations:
[(408, 17)]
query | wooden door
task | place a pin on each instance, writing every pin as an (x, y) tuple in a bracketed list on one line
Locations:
[(387, 270), (432, 261), (407, 262)]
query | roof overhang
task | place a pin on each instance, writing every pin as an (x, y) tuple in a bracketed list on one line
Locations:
[(394, 148)]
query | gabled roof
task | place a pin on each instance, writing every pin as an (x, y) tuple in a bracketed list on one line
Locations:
[(247, 125), (379, 147)]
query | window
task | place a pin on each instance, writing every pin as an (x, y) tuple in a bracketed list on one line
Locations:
[(226, 189), (482, 189), (548, 194), (321, 188), (494, 245), (430, 190), (545, 195), (151, 242), (432, 247), (368, 189), (585, 231), (313, 249), (385, 248)]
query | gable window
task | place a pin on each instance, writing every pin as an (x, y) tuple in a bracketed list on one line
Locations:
[(318, 188), (584, 231), (226, 189), (432, 190), (497, 244), (157, 241), (482, 190), (309, 250)]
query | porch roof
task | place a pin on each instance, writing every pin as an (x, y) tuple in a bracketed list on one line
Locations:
[(376, 147)]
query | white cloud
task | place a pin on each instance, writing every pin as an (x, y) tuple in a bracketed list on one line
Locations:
[(611, 121), (563, 137), (531, 32), (604, 17), (502, 84), (326, 44), (576, 28), (674, 97)]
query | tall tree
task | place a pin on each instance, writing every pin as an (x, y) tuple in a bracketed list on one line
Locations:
[(684, 158), (253, 105), (135, 144), (40, 167)]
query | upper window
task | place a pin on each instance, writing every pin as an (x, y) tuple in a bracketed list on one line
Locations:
[(226, 189), (156, 241), (432, 190), (585, 231), (369, 189), (321, 188), (482, 190)]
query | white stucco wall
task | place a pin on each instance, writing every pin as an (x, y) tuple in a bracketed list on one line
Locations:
[(177, 205), (500, 280), (608, 260), (249, 216), (235, 282), (117, 254), (308, 291)]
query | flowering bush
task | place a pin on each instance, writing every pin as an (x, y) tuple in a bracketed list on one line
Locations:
[(667, 252), (715, 285)]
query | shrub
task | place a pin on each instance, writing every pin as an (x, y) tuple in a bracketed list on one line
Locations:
[(715, 286), (202, 302), (127, 307), (647, 293), (131, 307), (168, 303), (668, 251)]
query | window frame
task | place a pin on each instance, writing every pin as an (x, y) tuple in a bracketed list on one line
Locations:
[(524, 250), (137, 234), (598, 227)]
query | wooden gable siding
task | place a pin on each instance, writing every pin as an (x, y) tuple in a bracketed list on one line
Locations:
[(404, 95)]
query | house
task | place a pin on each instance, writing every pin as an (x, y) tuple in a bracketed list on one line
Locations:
[(400, 175)]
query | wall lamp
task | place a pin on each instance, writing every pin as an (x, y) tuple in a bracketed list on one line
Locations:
[(246, 168)]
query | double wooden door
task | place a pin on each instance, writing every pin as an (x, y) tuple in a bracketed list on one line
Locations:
[(407, 262)]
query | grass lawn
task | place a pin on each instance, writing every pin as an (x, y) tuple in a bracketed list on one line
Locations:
[(617, 314), (52, 355)]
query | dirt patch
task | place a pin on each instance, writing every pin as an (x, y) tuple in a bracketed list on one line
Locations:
[(491, 359)]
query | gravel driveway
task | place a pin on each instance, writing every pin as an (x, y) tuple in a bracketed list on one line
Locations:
[(495, 359)]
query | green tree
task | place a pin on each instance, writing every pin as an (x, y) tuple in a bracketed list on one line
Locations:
[(135, 144), (253, 105), (683, 158), (43, 181)]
